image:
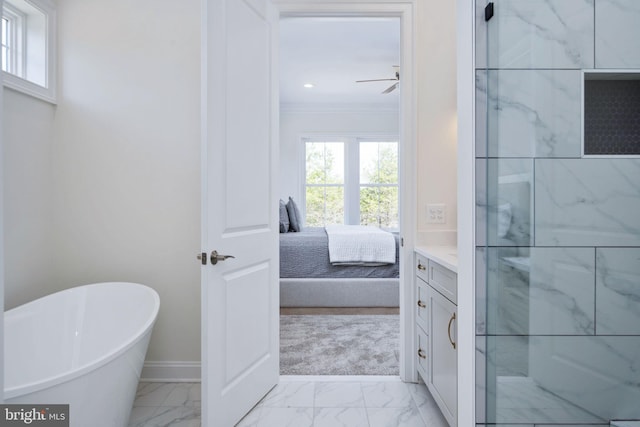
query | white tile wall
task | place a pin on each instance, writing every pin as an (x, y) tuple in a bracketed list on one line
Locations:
[(617, 48), (587, 202), (532, 113), (537, 34)]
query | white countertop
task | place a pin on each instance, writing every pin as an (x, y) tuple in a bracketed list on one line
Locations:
[(447, 256)]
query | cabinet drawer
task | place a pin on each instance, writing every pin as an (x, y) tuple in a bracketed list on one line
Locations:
[(443, 280), (423, 355), (422, 305), (422, 265)]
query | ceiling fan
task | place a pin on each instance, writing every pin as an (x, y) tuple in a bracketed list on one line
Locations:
[(390, 88)]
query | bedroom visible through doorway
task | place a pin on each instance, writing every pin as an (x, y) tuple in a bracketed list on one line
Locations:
[(339, 165)]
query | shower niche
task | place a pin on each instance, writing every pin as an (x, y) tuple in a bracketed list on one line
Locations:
[(611, 113)]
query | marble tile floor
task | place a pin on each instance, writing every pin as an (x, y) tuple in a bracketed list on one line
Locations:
[(300, 402)]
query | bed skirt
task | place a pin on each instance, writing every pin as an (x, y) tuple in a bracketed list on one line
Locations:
[(339, 293)]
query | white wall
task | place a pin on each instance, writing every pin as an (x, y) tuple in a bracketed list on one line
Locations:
[(126, 158), (28, 189), (115, 194), (2, 228), (296, 124), (437, 125)]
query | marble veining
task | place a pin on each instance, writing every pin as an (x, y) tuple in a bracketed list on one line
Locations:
[(386, 395), (596, 204), (521, 400), (530, 113), (291, 395), (618, 291), (625, 423), (554, 295), (616, 48), (394, 417), (339, 395), (537, 34), (340, 417), (597, 373), (502, 182), (347, 403), (387, 403)]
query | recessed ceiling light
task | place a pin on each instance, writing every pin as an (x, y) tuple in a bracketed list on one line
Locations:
[(308, 85)]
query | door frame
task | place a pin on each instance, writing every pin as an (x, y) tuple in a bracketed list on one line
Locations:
[(466, 323), (405, 10)]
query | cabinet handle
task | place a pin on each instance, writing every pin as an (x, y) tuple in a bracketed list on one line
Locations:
[(421, 304), (453, 317), (421, 267), (422, 354)]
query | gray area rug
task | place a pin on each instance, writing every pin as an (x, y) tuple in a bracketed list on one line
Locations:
[(339, 344)]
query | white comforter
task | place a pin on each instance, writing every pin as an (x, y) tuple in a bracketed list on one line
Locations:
[(360, 245)]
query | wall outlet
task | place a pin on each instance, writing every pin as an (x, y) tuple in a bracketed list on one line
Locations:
[(436, 213)]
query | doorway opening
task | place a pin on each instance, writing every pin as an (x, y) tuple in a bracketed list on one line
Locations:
[(341, 141)]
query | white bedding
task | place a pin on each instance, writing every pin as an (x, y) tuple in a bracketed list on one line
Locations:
[(360, 245)]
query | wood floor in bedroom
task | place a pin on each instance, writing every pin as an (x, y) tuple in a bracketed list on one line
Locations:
[(338, 310)]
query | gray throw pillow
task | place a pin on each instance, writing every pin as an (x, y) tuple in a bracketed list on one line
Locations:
[(295, 221), (284, 217)]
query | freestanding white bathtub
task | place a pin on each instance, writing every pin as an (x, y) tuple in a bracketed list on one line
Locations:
[(84, 346)]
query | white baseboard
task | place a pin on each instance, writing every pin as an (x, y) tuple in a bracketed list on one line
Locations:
[(171, 372)]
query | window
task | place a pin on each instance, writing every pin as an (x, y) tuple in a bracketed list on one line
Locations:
[(324, 195), (8, 43), (28, 47), (379, 184), (351, 181)]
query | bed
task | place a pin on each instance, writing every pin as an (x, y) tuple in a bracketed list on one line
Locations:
[(308, 279)]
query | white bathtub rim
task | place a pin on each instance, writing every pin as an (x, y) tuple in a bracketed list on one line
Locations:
[(48, 382)]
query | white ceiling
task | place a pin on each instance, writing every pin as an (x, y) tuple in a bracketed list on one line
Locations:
[(332, 53)]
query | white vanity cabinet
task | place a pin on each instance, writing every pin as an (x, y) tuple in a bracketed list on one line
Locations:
[(436, 313)]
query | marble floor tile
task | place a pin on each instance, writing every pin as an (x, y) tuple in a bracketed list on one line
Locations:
[(252, 418), (394, 417), (295, 394), (340, 417), (338, 395), (184, 394), (153, 394), (427, 407), (299, 403), (386, 395), (140, 415), (175, 416), (286, 417)]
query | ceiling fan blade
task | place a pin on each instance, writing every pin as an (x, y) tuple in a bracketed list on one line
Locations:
[(375, 80), (391, 88)]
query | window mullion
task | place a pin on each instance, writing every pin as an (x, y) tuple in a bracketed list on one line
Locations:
[(352, 183)]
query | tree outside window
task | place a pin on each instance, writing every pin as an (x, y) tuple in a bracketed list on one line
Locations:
[(352, 182), (324, 199), (379, 184)]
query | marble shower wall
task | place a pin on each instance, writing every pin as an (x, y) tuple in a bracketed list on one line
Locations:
[(558, 235)]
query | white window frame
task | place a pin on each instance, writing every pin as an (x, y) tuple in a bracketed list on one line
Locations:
[(351, 183), (16, 38), (328, 139), (16, 79), (356, 200)]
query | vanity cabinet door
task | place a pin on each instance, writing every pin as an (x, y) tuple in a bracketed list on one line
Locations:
[(444, 357)]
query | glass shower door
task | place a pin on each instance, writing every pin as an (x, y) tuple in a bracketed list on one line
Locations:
[(558, 232)]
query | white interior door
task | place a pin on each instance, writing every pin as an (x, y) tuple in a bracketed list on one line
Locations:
[(240, 296)]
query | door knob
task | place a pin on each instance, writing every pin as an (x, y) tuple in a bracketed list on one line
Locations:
[(215, 257)]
